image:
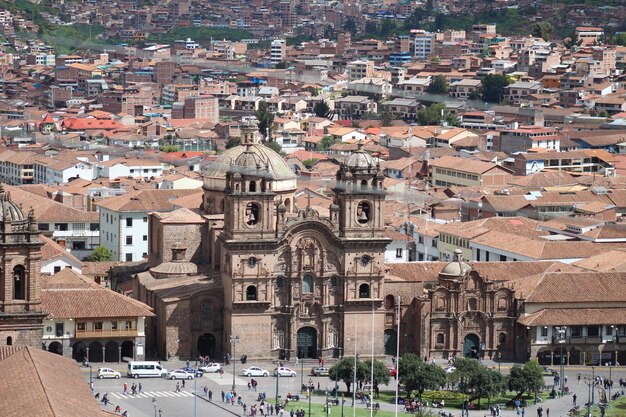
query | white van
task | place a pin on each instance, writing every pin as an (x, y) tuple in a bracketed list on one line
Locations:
[(145, 369)]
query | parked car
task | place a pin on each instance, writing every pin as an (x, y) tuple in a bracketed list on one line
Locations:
[(392, 370), (211, 368), (255, 371), (108, 373), (197, 372), (284, 371), (180, 374), (319, 371)]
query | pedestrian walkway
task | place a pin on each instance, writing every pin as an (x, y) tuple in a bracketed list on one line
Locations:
[(152, 394)]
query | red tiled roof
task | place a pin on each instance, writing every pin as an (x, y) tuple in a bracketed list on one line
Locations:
[(86, 123)]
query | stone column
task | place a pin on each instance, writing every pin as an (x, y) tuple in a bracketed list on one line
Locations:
[(87, 357), (119, 356), (567, 359), (104, 351), (551, 358)]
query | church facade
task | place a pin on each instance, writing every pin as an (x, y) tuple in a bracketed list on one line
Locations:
[(252, 269)]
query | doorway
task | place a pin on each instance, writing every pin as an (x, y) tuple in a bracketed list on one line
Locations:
[(391, 342), (206, 345), (307, 342), (471, 346)]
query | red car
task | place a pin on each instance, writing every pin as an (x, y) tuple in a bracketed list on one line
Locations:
[(392, 370)]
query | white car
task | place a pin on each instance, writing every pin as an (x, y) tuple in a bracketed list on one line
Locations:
[(211, 368), (180, 374), (255, 371), (283, 371), (108, 373)]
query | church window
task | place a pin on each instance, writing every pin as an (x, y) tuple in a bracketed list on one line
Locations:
[(252, 214), (251, 293), (307, 284), (363, 212), (440, 303), (440, 339), (502, 304), (333, 281), (9, 341), (472, 304), (390, 302), (364, 291), (206, 310), (279, 282), (252, 186), (363, 184), (19, 283), (502, 338), (251, 262)]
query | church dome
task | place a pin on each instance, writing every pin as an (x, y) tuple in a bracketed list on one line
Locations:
[(360, 159), (456, 268), (250, 155), (174, 268), (10, 212)]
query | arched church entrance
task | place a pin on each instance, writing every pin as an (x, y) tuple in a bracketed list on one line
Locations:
[(206, 345), (391, 339), (471, 345), (56, 347), (307, 342)]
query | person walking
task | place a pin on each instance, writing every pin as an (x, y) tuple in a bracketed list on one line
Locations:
[(210, 395), (183, 383), (140, 388), (125, 388), (177, 387), (574, 399), (297, 361), (547, 412), (223, 396)]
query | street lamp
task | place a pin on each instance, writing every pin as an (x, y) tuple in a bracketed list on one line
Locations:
[(343, 401), (233, 341), (310, 393), (326, 407), (562, 331), (90, 375)]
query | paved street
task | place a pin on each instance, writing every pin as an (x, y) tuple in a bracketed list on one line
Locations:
[(161, 393)]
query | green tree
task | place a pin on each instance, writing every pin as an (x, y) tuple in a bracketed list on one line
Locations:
[(542, 30), (381, 373), (308, 163), (100, 254), (493, 87), (439, 85), (326, 143), (487, 383), (386, 117), (344, 371), (415, 19), (417, 375), (526, 379), (321, 109), (275, 146), (432, 115), (265, 118), (168, 148), (232, 142)]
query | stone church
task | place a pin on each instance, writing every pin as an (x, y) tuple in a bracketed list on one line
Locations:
[(251, 269), (21, 315)]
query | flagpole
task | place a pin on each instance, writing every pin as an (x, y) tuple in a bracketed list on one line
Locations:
[(397, 359), (372, 371)]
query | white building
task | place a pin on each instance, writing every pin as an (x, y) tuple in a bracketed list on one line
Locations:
[(125, 167), (124, 221), (55, 258), (423, 43), (397, 250), (278, 51)]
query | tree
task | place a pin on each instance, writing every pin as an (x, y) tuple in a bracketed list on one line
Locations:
[(344, 371), (326, 143), (308, 163), (381, 373), (417, 375), (321, 109), (168, 148), (275, 146), (386, 118), (439, 85), (493, 87), (100, 254), (415, 19), (265, 118), (432, 115), (542, 30), (526, 379), (232, 142), (487, 383)]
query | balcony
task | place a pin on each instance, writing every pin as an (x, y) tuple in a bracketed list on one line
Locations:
[(94, 334)]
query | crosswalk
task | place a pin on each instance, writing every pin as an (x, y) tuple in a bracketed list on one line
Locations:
[(152, 394)]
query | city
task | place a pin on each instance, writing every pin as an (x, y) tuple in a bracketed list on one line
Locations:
[(324, 208)]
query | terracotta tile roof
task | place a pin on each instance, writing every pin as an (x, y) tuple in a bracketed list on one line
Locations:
[(98, 268), (47, 210), (464, 165), (69, 294), (51, 250), (44, 384), (579, 287), (575, 317), (182, 215), (89, 123), (145, 200)]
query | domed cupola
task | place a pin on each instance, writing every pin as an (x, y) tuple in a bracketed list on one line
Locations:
[(455, 269)]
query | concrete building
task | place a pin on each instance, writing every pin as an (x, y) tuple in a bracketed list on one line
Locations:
[(423, 41), (278, 51)]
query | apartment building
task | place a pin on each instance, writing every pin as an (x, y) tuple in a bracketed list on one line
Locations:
[(526, 137), (464, 172), (354, 106), (423, 42), (360, 69), (278, 51)]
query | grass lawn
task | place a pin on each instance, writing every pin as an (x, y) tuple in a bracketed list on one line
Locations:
[(317, 410), (616, 408), (454, 399)]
